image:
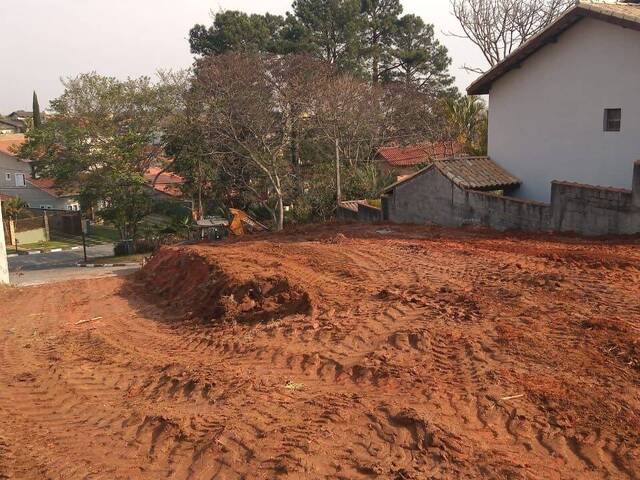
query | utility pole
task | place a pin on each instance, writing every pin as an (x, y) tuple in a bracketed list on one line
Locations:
[(4, 266)]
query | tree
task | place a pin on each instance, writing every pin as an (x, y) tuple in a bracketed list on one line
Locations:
[(106, 133), (497, 27), (331, 29), (467, 123), (247, 112), (234, 31), (37, 120), (419, 59), (347, 116), (380, 22), (13, 207)]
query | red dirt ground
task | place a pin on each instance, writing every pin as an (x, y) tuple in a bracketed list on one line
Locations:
[(352, 352)]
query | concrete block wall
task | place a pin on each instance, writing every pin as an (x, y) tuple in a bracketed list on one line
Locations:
[(368, 213), (591, 210), (432, 198)]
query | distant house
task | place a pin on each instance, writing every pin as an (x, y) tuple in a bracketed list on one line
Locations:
[(164, 185), (405, 160), (9, 126), (20, 115), (566, 104), (16, 180)]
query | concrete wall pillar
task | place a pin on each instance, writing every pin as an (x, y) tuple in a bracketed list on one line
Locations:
[(635, 186), (4, 267)]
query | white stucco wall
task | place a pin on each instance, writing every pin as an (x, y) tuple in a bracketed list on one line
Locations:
[(546, 118)]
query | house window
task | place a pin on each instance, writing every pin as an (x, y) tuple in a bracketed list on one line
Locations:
[(7, 176), (612, 119), (20, 181)]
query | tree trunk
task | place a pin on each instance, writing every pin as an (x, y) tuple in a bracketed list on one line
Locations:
[(280, 224), (338, 188)]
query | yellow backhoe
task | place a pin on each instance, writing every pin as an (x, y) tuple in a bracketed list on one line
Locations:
[(242, 223)]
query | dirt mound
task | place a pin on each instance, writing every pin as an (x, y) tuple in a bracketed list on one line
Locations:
[(417, 354), (205, 289)]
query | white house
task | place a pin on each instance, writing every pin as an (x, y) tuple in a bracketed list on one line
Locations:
[(566, 104)]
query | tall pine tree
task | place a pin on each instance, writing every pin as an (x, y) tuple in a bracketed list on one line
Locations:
[(37, 119)]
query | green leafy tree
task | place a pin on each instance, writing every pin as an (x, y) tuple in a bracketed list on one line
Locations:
[(379, 24), (105, 135), (419, 60), (332, 30), (467, 123), (13, 207), (234, 31), (37, 120)]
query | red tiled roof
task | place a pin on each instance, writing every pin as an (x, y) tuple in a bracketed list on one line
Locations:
[(8, 142), (5, 198), (416, 154), (166, 182), (48, 185)]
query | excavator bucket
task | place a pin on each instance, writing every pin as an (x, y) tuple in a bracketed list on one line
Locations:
[(243, 222)]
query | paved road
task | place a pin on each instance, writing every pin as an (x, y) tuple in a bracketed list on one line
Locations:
[(67, 258), (61, 274)]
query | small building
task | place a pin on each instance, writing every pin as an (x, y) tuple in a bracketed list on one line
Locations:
[(16, 181), (10, 127), (42, 194), (406, 160), (566, 104), (474, 191)]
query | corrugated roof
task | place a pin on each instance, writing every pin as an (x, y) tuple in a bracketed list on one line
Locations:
[(474, 173), (350, 205), (626, 11), (624, 15), (411, 155)]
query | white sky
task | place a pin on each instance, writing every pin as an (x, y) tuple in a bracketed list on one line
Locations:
[(44, 40)]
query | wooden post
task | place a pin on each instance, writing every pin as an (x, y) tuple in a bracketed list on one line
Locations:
[(4, 266), (46, 227)]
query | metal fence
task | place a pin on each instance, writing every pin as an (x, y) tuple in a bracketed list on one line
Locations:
[(69, 223)]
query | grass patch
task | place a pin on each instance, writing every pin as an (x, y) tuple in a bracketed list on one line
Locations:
[(104, 233), (43, 245)]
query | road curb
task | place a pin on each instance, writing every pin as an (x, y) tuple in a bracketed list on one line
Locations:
[(107, 265), (52, 250)]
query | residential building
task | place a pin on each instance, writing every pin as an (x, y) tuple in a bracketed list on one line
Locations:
[(164, 185), (9, 126), (404, 160), (566, 104), (16, 180)]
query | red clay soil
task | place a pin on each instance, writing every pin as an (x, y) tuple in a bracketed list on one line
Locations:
[(354, 352)]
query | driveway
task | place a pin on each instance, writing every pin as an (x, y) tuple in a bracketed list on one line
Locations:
[(67, 258)]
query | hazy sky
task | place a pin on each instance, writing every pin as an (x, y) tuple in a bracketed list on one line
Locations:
[(44, 40)]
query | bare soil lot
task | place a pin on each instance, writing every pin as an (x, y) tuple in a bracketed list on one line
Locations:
[(354, 352)]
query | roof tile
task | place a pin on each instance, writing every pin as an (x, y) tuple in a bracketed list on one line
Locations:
[(412, 155)]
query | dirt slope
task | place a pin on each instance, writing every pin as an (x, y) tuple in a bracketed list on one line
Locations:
[(346, 352)]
